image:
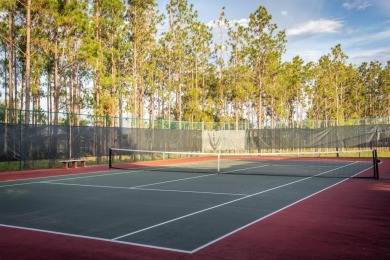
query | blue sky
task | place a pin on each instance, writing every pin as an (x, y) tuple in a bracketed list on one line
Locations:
[(313, 27)]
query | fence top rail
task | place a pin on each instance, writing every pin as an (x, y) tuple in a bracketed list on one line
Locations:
[(40, 117)]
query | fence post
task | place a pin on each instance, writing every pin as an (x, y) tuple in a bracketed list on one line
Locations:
[(109, 158), (20, 141), (70, 140), (106, 130)]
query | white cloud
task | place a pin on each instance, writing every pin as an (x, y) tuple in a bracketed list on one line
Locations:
[(359, 47), (316, 27), (284, 13), (369, 38), (242, 22), (383, 5), (304, 53), (358, 4), (357, 56)]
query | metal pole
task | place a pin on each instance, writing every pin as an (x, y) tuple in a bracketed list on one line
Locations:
[(20, 141), (109, 158)]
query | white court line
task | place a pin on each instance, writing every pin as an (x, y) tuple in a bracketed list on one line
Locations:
[(220, 205), (286, 165), (63, 179), (166, 248), (20, 184), (304, 166), (273, 213), (50, 178), (38, 178), (243, 169), (173, 249), (319, 174), (145, 185), (203, 210), (136, 188), (182, 179), (200, 192), (96, 238), (93, 176), (139, 186)]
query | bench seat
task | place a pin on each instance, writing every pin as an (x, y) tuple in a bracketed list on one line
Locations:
[(72, 163)]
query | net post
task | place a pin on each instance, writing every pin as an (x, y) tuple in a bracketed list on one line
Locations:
[(373, 162), (376, 164), (109, 158)]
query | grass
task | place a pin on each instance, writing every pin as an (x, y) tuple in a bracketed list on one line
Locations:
[(41, 164), (45, 164)]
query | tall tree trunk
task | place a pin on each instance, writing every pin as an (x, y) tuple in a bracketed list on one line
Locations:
[(135, 81), (27, 80), (54, 105), (260, 107), (56, 84), (15, 79), (179, 91), (49, 100), (10, 59), (113, 108), (28, 60)]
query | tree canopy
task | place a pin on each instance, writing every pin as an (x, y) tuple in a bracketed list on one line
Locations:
[(122, 58)]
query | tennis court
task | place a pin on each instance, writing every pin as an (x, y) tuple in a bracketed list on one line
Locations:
[(174, 210)]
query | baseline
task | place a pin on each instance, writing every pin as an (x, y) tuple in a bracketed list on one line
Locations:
[(144, 189), (95, 238)]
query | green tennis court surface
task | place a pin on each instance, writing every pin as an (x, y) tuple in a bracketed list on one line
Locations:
[(179, 211)]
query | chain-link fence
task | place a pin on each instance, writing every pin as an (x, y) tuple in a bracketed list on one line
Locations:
[(32, 140)]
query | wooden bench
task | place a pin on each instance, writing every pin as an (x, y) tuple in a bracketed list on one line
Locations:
[(73, 163)]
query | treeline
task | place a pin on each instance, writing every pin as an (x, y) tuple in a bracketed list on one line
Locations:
[(125, 58)]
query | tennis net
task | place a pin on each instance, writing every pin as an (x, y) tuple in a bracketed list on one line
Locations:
[(339, 164)]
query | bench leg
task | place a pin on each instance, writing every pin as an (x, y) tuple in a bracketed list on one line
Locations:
[(65, 165), (74, 164), (83, 164)]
